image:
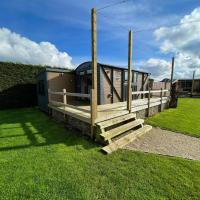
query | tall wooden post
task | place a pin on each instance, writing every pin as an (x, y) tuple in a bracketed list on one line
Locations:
[(193, 79), (129, 99), (172, 76), (93, 97)]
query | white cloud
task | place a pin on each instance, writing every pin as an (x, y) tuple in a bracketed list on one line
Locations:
[(184, 41), (158, 68), (15, 48)]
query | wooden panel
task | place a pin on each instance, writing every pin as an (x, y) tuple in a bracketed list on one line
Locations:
[(107, 87), (139, 83), (60, 81), (117, 81)]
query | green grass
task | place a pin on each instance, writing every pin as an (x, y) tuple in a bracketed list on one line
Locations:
[(184, 119), (40, 159)]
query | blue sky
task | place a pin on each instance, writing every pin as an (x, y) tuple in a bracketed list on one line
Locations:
[(66, 24)]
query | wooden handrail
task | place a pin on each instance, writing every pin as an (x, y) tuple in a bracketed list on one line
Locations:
[(146, 92), (56, 103), (70, 94)]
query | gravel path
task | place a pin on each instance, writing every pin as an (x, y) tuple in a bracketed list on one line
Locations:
[(167, 143)]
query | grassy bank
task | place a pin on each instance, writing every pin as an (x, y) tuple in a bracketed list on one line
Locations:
[(184, 119)]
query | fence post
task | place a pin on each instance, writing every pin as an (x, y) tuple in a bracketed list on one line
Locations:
[(161, 99), (149, 98), (64, 97)]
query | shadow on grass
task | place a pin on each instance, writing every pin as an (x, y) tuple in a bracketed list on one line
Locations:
[(35, 123)]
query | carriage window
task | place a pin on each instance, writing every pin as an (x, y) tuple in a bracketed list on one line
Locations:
[(82, 73)]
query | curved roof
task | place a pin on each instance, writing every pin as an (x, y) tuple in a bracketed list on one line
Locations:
[(87, 65)]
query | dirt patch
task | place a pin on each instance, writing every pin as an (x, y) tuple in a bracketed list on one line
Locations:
[(167, 143)]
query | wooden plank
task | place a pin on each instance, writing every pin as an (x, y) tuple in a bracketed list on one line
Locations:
[(143, 107), (82, 116), (122, 129), (116, 120), (56, 103), (140, 92), (70, 94), (55, 93), (129, 93), (126, 139), (146, 92), (77, 95)]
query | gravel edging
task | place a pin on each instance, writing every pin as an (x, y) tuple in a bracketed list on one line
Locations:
[(169, 143)]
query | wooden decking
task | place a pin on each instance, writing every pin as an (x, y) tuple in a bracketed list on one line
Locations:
[(107, 111)]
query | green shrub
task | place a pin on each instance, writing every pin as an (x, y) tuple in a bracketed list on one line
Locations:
[(18, 85)]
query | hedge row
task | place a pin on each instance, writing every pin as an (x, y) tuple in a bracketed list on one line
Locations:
[(18, 85)]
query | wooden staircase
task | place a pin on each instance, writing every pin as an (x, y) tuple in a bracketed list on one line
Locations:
[(120, 131)]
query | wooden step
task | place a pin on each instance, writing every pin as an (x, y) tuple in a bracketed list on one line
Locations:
[(116, 120), (121, 129), (126, 139)]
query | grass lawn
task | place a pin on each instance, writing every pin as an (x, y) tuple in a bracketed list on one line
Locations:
[(184, 119), (40, 159)]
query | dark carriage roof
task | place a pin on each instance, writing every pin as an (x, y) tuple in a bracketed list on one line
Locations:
[(86, 65)]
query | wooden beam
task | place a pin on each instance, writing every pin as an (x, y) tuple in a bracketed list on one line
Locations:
[(146, 92), (172, 75), (193, 79), (94, 71), (129, 93), (70, 94)]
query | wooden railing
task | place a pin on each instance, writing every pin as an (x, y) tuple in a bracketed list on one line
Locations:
[(149, 92), (88, 96), (65, 102)]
